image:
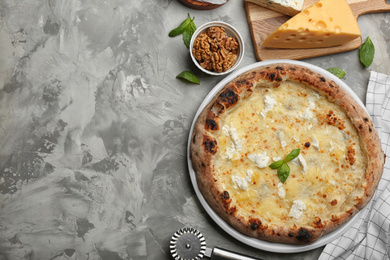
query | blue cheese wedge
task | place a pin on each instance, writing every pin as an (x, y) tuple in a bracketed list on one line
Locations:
[(287, 7)]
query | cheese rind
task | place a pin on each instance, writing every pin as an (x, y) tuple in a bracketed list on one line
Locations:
[(287, 7), (325, 24)]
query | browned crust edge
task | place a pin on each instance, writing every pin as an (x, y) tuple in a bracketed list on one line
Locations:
[(204, 146)]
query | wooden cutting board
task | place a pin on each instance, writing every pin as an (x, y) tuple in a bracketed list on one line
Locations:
[(263, 22)]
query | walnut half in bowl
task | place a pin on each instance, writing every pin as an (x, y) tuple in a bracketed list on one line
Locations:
[(216, 48)]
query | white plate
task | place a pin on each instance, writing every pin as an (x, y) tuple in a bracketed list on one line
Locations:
[(254, 242)]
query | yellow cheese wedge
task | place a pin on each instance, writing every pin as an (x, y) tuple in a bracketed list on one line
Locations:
[(327, 23)]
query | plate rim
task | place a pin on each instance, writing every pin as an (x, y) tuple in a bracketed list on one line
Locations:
[(251, 241)]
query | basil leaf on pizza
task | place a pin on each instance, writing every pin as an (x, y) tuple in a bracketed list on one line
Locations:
[(289, 118), (292, 155), (276, 165), (281, 166), (283, 172)]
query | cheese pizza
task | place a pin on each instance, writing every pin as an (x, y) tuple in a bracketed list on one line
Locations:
[(325, 155)]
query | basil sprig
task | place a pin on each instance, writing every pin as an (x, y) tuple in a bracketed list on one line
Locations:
[(282, 167), (186, 28), (367, 52), (340, 73), (189, 76), (179, 30)]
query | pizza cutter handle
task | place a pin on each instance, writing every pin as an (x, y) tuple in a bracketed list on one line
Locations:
[(223, 254)]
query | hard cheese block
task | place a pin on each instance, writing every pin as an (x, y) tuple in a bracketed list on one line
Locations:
[(327, 23), (287, 7)]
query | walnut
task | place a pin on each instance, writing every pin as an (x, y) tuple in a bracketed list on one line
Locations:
[(214, 45), (217, 60), (214, 50), (206, 64), (229, 61), (201, 48), (231, 44), (216, 32)]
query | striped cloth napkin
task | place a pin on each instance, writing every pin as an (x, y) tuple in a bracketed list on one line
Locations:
[(369, 237)]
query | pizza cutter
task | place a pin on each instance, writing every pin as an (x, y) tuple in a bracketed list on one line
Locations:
[(189, 244)]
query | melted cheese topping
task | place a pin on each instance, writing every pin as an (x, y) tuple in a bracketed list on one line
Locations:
[(325, 179)]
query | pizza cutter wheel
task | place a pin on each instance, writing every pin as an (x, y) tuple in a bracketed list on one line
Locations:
[(189, 244)]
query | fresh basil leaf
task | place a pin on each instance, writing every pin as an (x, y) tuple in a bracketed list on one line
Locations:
[(292, 155), (188, 32), (276, 164), (283, 172), (340, 73), (367, 52), (189, 76), (192, 26), (181, 28)]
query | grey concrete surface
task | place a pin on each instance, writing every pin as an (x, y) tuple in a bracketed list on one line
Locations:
[(94, 126)]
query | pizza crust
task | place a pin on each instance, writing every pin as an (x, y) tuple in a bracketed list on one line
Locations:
[(204, 146)]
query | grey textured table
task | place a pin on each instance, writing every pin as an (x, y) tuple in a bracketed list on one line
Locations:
[(94, 126)]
